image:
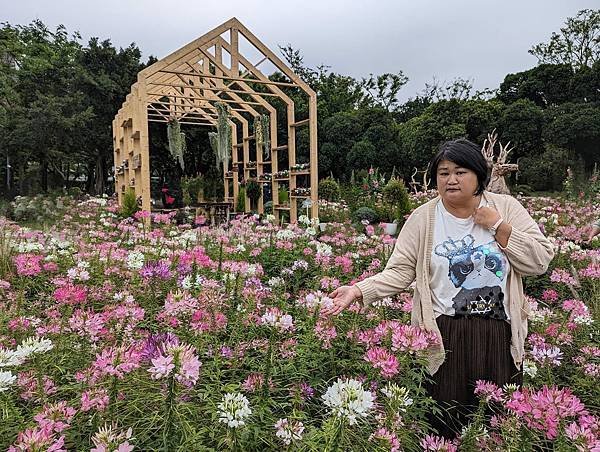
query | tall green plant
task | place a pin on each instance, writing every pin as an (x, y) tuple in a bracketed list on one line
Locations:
[(129, 205), (240, 205)]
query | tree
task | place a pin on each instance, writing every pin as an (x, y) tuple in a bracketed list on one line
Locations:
[(106, 82), (382, 90), (546, 85), (521, 123), (577, 44), (48, 113), (575, 127)]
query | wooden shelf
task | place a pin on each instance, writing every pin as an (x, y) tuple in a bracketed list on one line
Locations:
[(299, 173), (300, 123), (281, 207), (300, 196), (268, 162), (282, 178)]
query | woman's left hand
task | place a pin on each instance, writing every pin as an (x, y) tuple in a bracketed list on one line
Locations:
[(486, 216)]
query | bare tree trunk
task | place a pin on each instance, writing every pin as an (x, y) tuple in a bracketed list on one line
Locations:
[(99, 175), (44, 174)]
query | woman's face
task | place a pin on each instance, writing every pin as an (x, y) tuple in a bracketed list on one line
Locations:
[(455, 183)]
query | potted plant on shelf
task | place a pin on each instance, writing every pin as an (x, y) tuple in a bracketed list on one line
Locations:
[(253, 191)]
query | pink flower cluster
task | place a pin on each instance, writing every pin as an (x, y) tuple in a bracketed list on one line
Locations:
[(389, 438), (28, 264), (405, 338), (433, 443), (545, 410), (55, 417), (380, 358), (70, 294), (562, 276), (179, 360), (38, 439)]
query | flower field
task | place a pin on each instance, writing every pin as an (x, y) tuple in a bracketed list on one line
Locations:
[(117, 336)]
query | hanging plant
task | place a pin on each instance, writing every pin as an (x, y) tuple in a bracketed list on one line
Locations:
[(176, 139), (220, 140), (258, 132), (262, 134)]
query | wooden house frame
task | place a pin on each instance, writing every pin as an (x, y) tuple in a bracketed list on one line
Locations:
[(187, 84)]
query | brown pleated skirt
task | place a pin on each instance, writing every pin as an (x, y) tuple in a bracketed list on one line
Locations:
[(477, 348)]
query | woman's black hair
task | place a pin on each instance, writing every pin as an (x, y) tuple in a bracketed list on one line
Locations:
[(465, 154)]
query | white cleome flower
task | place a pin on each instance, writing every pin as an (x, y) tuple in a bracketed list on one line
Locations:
[(135, 260), (234, 409), (6, 380), (529, 368), (347, 399), (397, 395), (289, 431), (33, 345), (9, 358)]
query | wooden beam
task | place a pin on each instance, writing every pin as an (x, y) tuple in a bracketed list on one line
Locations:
[(237, 79)]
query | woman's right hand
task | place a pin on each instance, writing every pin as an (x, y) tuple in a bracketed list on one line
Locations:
[(342, 298)]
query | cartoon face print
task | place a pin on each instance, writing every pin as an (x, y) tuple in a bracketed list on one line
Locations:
[(472, 267)]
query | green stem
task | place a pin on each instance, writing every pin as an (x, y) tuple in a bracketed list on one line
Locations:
[(169, 404)]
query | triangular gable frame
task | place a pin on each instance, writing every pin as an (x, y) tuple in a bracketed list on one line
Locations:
[(186, 84)]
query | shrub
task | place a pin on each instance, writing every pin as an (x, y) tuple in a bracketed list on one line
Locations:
[(365, 213), (546, 171), (129, 205), (396, 196), (253, 190), (240, 205), (329, 189), (283, 196)]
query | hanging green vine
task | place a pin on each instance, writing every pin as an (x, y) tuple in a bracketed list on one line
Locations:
[(266, 129), (262, 134), (176, 139), (220, 140)]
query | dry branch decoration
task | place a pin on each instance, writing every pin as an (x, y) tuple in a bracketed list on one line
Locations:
[(262, 134), (176, 141), (220, 140), (499, 167)]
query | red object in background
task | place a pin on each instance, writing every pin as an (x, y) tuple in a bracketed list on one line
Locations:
[(169, 199)]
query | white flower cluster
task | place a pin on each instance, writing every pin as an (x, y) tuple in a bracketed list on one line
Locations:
[(234, 409), (285, 234), (6, 379), (398, 396), (79, 272), (135, 260), (11, 358), (276, 281), (317, 299), (529, 368), (29, 247), (278, 320), (189, 283), (188, 237), (324, 249), (289, 431), (347, 399)]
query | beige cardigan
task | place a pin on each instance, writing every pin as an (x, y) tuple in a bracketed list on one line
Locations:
[(528, 251)]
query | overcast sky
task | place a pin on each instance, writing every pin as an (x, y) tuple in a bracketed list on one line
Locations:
[(482, 40)]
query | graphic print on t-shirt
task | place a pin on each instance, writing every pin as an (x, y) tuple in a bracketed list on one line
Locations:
[(478, 271)]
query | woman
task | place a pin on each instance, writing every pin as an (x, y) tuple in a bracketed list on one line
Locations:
[(467, 251)]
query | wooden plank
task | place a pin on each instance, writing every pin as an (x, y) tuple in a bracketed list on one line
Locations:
[(300, 123)]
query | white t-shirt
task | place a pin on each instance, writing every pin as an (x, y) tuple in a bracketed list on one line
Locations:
[(467, 268)]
